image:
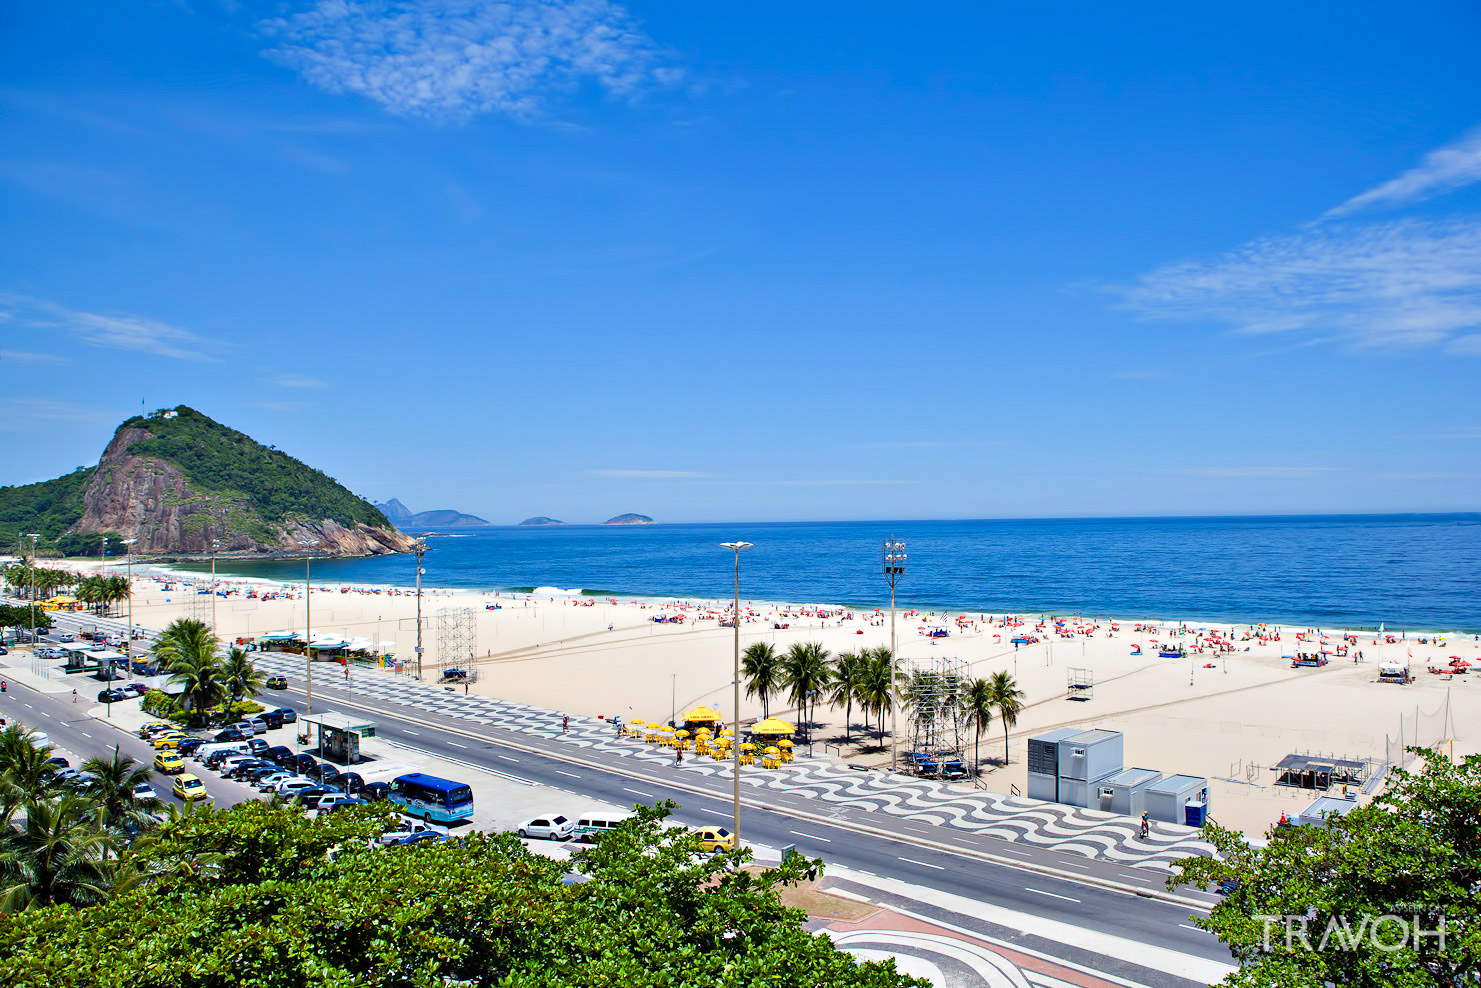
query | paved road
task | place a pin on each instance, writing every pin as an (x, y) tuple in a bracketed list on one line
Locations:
[(1124, 915)]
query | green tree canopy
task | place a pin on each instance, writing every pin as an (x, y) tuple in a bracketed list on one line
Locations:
[(1339, 904)]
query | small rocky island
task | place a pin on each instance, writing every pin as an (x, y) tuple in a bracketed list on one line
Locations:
[(539, 520), (629, 519)]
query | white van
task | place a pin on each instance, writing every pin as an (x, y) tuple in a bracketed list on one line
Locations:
[(592, 824), (207, 750)]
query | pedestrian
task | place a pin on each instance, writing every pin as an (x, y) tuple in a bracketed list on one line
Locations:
[(678, 757), (74, 696), (565, 724), (1146, 827)]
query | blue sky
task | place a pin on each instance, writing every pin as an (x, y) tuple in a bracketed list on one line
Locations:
[(757, 261)]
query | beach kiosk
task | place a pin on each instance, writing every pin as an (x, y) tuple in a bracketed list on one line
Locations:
[(103, 663), (1126, 792), (340, 735), (700, 717), (1168, 798)]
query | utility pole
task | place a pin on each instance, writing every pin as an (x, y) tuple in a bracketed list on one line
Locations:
[(892, 563), (420, 548), (735, 734), (215, 544), (34, 536), (308, 620)]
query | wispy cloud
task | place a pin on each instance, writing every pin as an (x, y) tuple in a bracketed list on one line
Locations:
[(295, 381), (456, 59), (113, 331), (26, 357), (1441, 171), (650, 474), (1259, 472), (20, 413), (1404, 283), (276, 406)]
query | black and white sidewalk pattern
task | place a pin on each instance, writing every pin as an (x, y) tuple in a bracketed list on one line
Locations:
[(1064, 828)]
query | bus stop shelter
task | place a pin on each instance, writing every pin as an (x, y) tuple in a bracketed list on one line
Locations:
[(340, 735)]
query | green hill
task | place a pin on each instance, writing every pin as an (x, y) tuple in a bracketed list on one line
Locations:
[(177, 480)]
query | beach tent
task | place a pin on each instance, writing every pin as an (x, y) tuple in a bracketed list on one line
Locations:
[(773, 726)]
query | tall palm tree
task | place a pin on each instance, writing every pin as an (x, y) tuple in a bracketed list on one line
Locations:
[(762, 670), (806, 672), (24, 772), (184, 637), (876, 693), (1007, 700), (56, 856), (848, 674), (200, 680), (977, 707), (240, 675), (119, 589), (114, 805)]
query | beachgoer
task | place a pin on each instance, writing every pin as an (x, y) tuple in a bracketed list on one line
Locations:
[(74, 696), (678, 757), (565, 724), (1146, 827)]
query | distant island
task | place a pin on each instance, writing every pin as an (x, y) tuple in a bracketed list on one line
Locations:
[(403, 517), (629, 519), (540, 520)]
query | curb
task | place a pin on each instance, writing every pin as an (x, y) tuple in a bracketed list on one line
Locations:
[(1080, 879)]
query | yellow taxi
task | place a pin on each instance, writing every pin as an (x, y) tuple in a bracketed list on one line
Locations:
[(155, 727), (168, 742), (716, 839), (168, 764), (189, 787)]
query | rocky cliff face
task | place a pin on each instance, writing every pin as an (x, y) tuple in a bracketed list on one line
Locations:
[(149, 499)]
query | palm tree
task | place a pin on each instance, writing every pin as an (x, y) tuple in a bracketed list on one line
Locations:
[(119, 589), (24, 773), (806, 672), (200, 680), (762, 670), (876, 693), (848, 674), (56, 856), (240, 676), (184, 637), (111, 790), (977, 707), (1007, 700)]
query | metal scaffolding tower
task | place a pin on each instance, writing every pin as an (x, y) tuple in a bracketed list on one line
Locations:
[(1081, 684), (457, 640), (934, 698)]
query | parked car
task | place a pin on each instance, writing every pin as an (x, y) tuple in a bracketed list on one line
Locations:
[(277, 682), (111, 696), (278, 754), (342, 802), (293, 786), (239, 769), (257, 746), (290, 716), (128, 690), (271, 780), (549, 827), (257, 773), (311, 798), (57, 761), (188, 787), (715, 838), (231, 734), (154, 727), (302, 763), (375, 792), (65, 777), (259, 726), (351, 782), (245, 726), (190, 745), (423, 836), (167, 742), (67, 636), (271, 718), (324, 772), (167, 763)]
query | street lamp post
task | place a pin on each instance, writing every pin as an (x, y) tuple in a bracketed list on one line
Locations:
[(308, 620), (892, 563), (33, 536), (735, 739), (420, 548), (215, 544)]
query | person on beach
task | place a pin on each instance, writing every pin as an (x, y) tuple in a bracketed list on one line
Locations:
[(678, 758), (1146, 827), (565, 724)]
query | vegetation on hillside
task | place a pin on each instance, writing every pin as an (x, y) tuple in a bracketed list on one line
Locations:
[(49, 509)]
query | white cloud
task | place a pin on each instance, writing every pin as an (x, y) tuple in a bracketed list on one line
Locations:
[(118, 331), (295, 381), (26, 357), (1258, 472), (1404, 283), (1441, 171), (455, 59), (650, 474)]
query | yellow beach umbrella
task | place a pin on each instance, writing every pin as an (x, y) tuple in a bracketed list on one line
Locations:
[(772, 725), (772, 750)]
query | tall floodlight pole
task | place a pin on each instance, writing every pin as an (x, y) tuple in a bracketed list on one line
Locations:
[(735, 738), (892, 563), (130, 560), (33, 536), (308, 620), (420, 548), (215, 544)]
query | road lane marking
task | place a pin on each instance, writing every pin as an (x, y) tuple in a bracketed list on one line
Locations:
[(1196, 929), (1055, 895), (456, 745), (799, 833), (404, 731), (702, 809), (639, 792), (84, 734), (571, 774), (508, 759), (923, 864), (1071, 864)]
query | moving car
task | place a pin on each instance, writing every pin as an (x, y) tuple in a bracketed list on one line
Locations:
[(551, 827), (715, 839), (167, 763), (143, 790), (188, 787), (277, 682)]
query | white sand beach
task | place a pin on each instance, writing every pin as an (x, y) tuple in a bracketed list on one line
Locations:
[(1215, 713)]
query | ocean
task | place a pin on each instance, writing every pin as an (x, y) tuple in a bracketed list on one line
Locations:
[(1407, 571)]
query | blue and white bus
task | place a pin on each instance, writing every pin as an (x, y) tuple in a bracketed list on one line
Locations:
[(434, 800)]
